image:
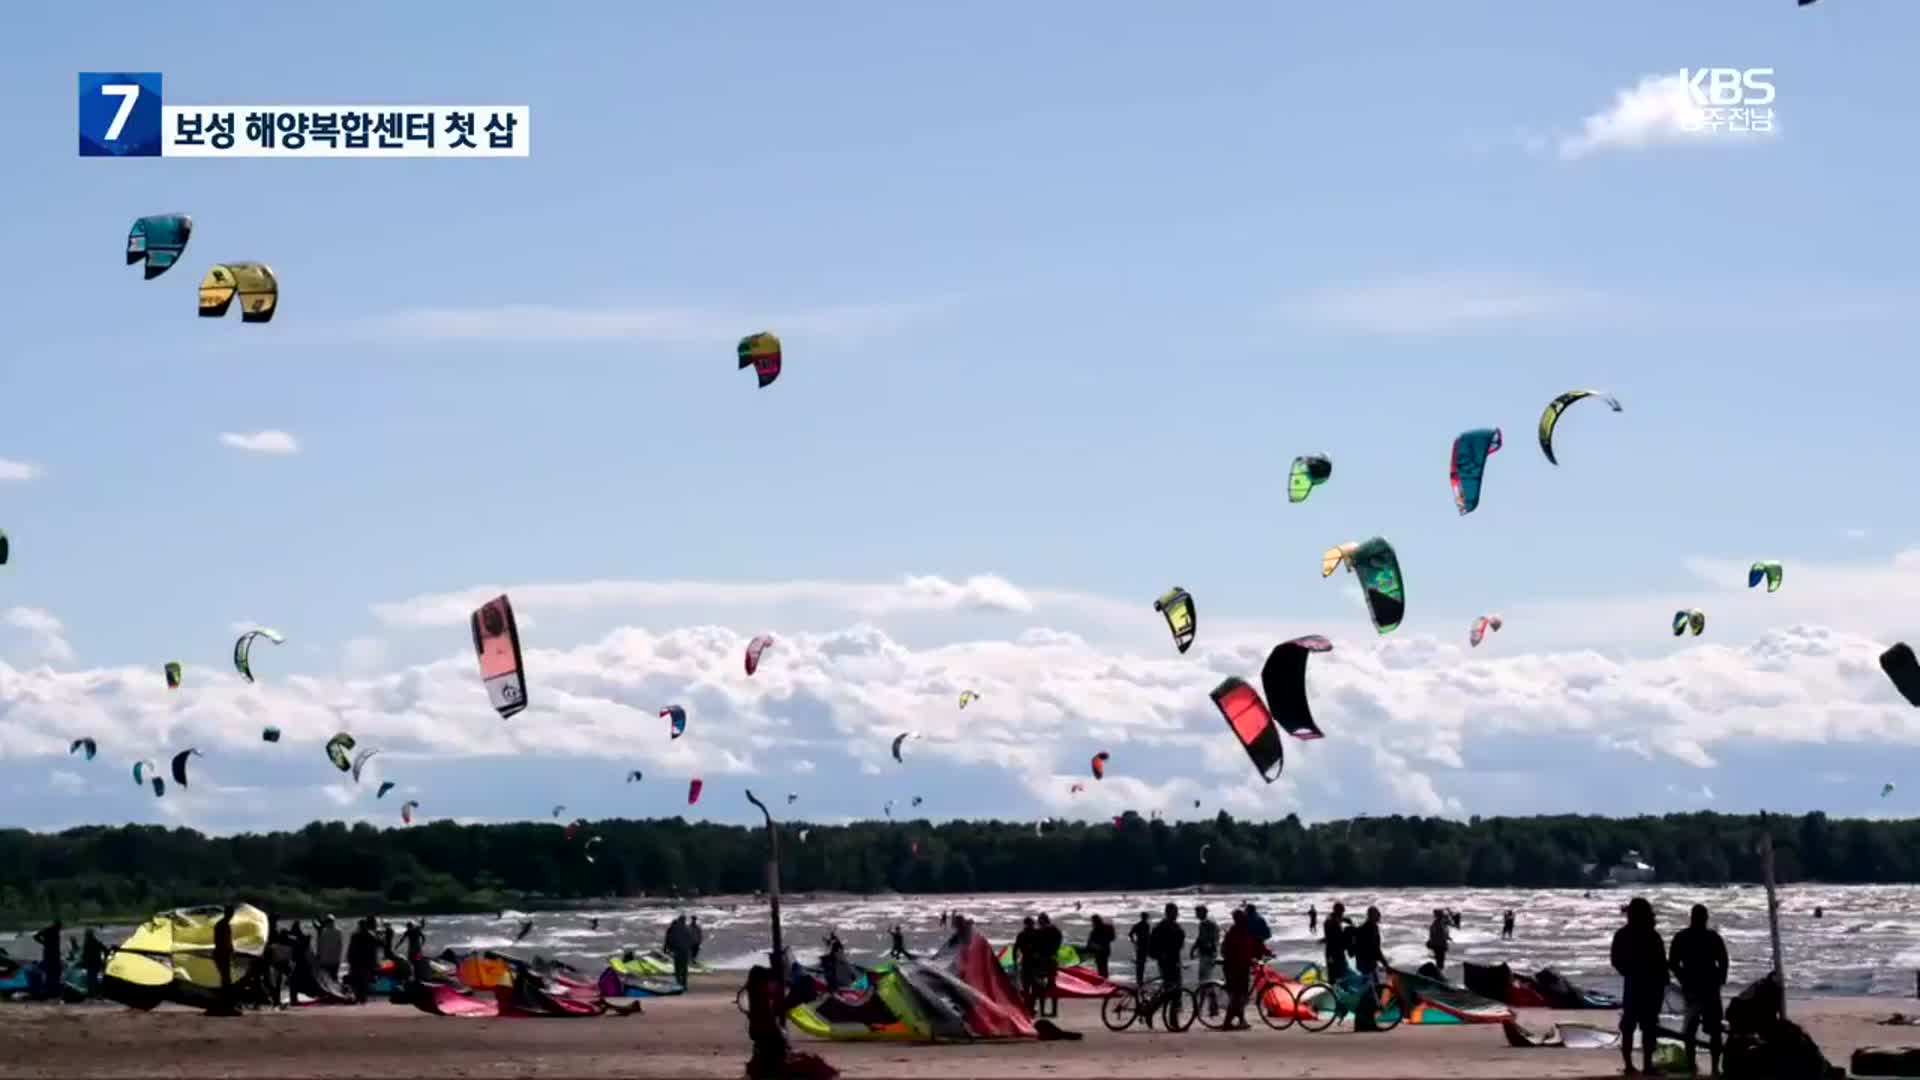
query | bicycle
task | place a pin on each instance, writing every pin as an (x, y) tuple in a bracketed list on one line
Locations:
[(1322, 1004), (1122, 1007), (1269, 994)]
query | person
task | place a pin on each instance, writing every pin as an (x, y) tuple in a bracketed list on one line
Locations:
[(1335, 932), (1206, 945), (363, 954), (93, 960), (1100, 944), (414, 942), (1364, 945), (386, 941), (1257, 925), (1819, 912), (1640, 956), (1313, 918), (1050, 941), (1140, 935), (526, 927), (1025, 961), (899, 950), (301, 962), (1239, 952), (1506, 926), (839, 972), (680, 946), (1167, 943), (223, 964), (771, 1056), (328, 947), (694, 937), (1454, 918), (1698, 959), (1439, 936), (593, 923), (52, 965)]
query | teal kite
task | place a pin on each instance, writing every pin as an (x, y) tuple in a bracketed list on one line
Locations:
[(1379, 570), (1470, 450)]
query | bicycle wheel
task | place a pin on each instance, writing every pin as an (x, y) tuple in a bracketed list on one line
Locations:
[(1316, 1007), (1278, 1007), (1210, 999), (1120, 1009), (1182, 1006), (1388, 1014)]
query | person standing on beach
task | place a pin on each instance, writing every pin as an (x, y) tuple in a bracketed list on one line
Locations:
[(1206, 945), (680, 947), (1168, 946), (327, 947), (1051, 941), (1364, 944), (1335, 941), (1506, 926), (1239, 952), (1141, 936), (93, 960), (694, 937), (1100, 944), (223, 963), (52, 966), (1439, 936), (1640, 956), (1257, 925), (1025, 946), (363, 955), (899, 949), (1698, 960)]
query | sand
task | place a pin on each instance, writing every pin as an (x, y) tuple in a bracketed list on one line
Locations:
[(703, 1035)]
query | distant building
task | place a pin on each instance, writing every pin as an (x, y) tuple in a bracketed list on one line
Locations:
[(1630, 870)]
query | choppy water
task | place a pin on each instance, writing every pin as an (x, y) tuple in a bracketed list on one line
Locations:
[(1868, 941)]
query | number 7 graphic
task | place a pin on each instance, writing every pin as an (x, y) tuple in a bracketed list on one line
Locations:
[(121, 114), (128, 93)]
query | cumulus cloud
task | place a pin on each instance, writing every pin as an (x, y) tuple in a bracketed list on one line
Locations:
[(46, 631), (1445, 302), (64, 781), (261, 442), (18, 470), (1655, 111)]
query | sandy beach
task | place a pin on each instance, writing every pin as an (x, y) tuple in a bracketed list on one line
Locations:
[(702, 1035)]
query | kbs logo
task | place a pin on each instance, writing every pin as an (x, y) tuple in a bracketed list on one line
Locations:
[(1728, 99)]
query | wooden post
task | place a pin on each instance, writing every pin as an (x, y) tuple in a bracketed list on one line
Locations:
[(1773, 909)]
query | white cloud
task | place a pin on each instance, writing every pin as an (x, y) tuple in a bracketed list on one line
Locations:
[(1443, 302), (678, 325), (1658, 110), (18, 470), (261, 442), (62, 780), (362, 657), (48, 633)]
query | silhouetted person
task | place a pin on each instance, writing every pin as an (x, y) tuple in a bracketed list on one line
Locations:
[(328, 946), (1698, 960), (1313, 918), (1141, 935), (301, 963), (1334, 939), (1168, 945), (414, 942), (52, 964), (694, 937), (223, 963), (1048, 937), (1257, 925), (680, 947), (1026, 946), (526, 927), (899, 949), (363, 951), (1506, 926), (1206, 945), (1364, 945), (1439, 936), (1454, 917), (1640, 956), (1239, 952), (1100, 944), (93, 960)]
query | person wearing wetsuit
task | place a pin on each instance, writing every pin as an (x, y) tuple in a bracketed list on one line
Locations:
[(899, 949), (1100, 944), (1698, 960), (1439, 936), (93, 960), (1335, 934), (1206, 945), (1048, 937), (223, 963), (52, 964), (1364, 945), (1140, 936), (1506, 926), (363, 950), (1168, 943), (1313, 918), (1026, 948), (1640, 956)]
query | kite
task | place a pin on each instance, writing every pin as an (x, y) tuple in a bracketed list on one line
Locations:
[(496, 639), (635, 775), (803, 835), (1099, 765), (1285, 680), (255, 284), (1886, 790), (1204, 848), (558, 809), (1480, 627), (159, 239), (270, 734), (1177, 605), (5, 547), (1904, 669), (243, 648), (142, 770), (1558, 405), (1470, 450), (173, 675), (917, 800), (180, 765), (791, 796), (337, 749), (967, 697), (761, 352), (677, 726), (758, 645), (1309, 471), (1765, 570), (693, 791), (385, 786), (360, 761), (1694, 620), (406, 811), (897, 740), (1379, 570), (1196, 804), (1331, 558), (587, 848), (887, 808), (84, 743), (1247, 717), (1077, 788), (159, 786)]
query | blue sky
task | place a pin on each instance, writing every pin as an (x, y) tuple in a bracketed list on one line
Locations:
[(1063, 291)]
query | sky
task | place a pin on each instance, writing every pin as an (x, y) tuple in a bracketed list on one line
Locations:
[(1062, 291)]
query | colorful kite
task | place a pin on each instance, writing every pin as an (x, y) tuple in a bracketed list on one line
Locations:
[(158, 239), (1176, 604), (1308, 472), (496, 640), (1551, 416), (254, 283), (1470, 450)]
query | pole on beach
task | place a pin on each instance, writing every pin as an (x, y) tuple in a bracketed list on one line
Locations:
[(779, 959), (1773, 908)]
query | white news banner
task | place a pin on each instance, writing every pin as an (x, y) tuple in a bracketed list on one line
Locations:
[(292, 131)]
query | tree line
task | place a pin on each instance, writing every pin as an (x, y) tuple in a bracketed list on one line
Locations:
[(98, 872)]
